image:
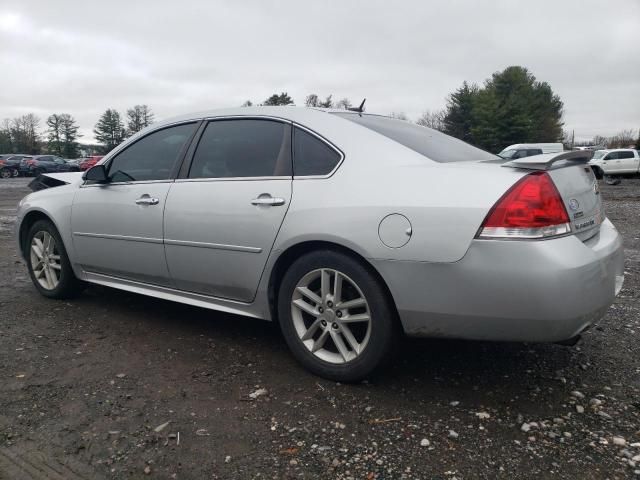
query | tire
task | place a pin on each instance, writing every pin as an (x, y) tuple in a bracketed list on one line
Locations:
[(6, 173), (612, 180), (67, 285), (16, 172), (374, 338)]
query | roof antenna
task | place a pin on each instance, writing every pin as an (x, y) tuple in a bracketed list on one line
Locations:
[(359, 109)]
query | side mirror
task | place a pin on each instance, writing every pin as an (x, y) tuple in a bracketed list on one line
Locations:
[(97, 174)]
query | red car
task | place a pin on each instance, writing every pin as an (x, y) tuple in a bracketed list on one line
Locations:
[(90, 162)]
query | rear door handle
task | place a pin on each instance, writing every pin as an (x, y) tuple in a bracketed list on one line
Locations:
[(266, 199), (147, 200)]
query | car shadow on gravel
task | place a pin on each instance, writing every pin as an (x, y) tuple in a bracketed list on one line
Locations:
[(435, 363)]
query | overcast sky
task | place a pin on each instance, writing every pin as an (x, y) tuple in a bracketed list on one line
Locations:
[(81, 57)]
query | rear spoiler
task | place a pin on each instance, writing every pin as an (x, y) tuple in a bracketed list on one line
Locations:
[(546, 160)]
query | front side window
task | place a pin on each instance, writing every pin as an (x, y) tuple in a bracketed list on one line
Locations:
[(611, 156), (312, 156), (151, 158), (243, 148)]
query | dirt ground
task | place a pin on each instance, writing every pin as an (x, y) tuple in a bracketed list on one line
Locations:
[(117, 385)]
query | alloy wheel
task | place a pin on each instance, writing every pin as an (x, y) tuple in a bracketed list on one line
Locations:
[(331, 315), (45, 260)]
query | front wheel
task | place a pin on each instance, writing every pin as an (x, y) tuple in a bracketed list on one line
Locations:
[(336, 316), (6, 173), (48, 262), (612, 180)]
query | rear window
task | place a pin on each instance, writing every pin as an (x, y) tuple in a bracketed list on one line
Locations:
[(431, 143)]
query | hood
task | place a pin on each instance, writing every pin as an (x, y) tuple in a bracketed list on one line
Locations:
[(49, 180)]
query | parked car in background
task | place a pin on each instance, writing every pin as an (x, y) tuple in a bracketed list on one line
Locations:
[(9, 165), (89, 162), (75, 162), (615, 163), (522, 150), (346, 228), (37, 164)]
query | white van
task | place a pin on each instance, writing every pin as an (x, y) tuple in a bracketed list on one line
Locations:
[(521, 150)]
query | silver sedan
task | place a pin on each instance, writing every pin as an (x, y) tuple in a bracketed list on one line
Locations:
[(348, 229)]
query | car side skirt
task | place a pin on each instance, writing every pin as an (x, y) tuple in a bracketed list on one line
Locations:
[(253, 310)]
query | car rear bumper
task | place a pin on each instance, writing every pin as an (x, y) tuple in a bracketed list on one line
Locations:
[(533, 291)]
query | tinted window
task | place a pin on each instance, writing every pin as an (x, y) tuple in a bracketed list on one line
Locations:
[(432, 144), (151, 158), (535, 151), (45, 159), (611, 156), (243, 148), (311, 156), (625, 154)]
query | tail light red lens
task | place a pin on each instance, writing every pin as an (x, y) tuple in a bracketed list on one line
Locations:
[(532, 208)]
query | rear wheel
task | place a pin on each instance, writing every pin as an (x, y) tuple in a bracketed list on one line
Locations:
[(48, 262), (335, 316)]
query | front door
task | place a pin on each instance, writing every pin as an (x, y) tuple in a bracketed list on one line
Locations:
[(117, 226), (222, 220)]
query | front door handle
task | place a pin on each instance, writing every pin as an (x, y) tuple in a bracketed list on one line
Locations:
[(147, 200), (266, 199)]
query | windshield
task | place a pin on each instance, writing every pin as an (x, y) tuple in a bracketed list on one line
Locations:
[(431, 143), (507, 153), (598, 154)]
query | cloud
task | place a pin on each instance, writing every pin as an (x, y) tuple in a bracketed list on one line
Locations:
[(83, 57)]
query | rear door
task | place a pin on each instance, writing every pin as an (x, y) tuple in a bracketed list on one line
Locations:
[(627, 162), (222, 218)]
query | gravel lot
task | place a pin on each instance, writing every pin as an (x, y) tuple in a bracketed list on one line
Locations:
[(116, 385)]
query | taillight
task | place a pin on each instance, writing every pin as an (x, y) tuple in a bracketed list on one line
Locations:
[(530, 209)]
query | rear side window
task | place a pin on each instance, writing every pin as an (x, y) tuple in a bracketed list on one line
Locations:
[(312, 156), (625, 155), (243, 148), (153, 157), (431, 143), (535, 151)]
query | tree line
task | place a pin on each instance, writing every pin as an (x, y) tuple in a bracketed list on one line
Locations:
[(510, 107), (60, 137)]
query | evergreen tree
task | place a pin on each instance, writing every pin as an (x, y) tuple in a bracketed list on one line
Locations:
[(138, 117), (109, 130), (511, 107), (54, 134), (458, 118), (282, 99), (69, 136)]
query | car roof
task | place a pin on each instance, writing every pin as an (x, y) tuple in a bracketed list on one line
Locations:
[(616, 150), (289, 112)]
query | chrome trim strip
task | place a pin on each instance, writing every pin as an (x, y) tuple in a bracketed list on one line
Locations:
[(138, 182), (231, 179), (125, 238), (216, 246)]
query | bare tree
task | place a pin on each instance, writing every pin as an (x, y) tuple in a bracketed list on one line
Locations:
[(343, 104), (399, 115), (432, 119), (312, 100), (138, 117)]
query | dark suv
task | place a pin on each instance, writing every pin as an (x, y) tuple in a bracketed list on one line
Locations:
[(37, 164)]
